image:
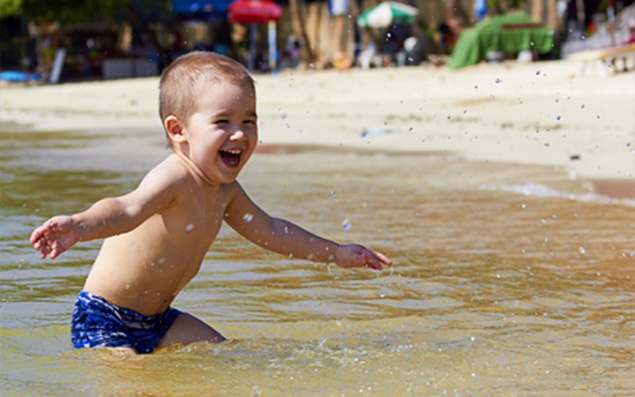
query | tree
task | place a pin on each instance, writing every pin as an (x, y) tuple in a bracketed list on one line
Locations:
[(70, 12), (63, 11), (10, 8)]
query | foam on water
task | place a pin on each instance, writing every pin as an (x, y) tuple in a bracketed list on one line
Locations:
[(539, 190)]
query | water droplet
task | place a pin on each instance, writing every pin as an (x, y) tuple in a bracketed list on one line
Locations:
[(346, 224), (331, 194), (473, 338), (189, 228), (582, 250), (558, 118), (499, 81), (524, 206), (127, 286), (248, 217)]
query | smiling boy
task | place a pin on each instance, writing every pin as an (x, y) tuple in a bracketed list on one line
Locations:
[(157, 236)]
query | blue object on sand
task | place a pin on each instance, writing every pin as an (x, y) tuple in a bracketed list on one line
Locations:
[(18, 77), (377, 131)]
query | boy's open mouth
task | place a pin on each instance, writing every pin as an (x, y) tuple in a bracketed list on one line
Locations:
[(230, 157)]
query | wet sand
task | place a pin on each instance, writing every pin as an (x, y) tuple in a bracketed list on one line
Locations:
[(541, 113), (615, 188)]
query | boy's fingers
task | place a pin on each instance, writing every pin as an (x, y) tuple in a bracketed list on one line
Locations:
[(375, 264), (383, 259), (35, 236), (372, 264)]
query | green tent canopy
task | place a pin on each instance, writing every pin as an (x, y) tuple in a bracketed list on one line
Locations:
[(509, 33)]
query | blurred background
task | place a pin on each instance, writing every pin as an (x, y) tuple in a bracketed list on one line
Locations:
[(73, 40)]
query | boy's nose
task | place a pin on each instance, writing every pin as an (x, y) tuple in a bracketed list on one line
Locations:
[(237, 135)]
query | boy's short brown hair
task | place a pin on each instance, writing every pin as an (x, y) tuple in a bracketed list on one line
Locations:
[(182, 81)]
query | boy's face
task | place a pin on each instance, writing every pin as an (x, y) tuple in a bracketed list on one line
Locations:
[(222, 133)]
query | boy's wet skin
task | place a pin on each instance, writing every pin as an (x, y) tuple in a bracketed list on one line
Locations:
[(157, 236)]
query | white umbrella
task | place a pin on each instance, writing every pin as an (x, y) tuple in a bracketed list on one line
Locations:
[(386, 14)]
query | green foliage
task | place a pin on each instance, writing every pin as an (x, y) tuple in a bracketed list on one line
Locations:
[(73, 11), (65, 11), (10, 8), (69, 11)]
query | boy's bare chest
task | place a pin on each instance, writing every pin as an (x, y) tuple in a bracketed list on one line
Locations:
[(198, 216)]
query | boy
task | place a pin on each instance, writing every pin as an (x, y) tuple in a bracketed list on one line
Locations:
[(157, 235)]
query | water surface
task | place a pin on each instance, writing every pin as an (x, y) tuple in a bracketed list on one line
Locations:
[(508, 280)]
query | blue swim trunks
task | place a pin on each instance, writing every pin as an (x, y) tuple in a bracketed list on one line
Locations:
[(98, 323)]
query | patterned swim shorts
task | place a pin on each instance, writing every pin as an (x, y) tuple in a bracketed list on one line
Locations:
[(98, 323)]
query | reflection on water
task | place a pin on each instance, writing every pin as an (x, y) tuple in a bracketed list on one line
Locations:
[(497, 288)]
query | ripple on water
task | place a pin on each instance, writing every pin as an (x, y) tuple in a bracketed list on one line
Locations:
[(489, 295)]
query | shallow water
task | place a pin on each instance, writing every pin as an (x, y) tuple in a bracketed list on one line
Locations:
[(508, 280)]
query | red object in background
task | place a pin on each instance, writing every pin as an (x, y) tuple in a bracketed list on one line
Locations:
[(254, 11)]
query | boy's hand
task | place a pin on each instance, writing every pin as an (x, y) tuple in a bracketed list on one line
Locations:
[(359, 256), (55, 236)]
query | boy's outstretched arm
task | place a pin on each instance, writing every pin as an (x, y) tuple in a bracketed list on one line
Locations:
[(105, 218), (286, 238)]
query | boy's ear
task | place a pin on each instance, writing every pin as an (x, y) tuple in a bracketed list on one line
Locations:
[(174, 128)]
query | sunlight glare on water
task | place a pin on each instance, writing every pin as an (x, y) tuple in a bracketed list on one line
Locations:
[(507, 281)]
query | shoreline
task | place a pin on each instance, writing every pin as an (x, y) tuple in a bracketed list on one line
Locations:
[(539, 113)]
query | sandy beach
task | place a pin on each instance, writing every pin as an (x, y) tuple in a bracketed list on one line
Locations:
[(538, 113)]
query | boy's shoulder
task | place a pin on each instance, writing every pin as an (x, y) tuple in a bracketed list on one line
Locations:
[(171, 167), (168, 174)]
